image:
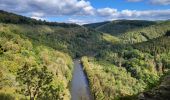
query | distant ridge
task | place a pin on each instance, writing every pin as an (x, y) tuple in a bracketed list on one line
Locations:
[(7, 17), (118, 27)]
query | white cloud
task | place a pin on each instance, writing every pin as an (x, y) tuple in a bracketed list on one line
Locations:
[(160, 2), (48, 7), (146, 14), (38, 14), (78, 21), (106, 11), (85, 20), (136, 15), (133, 14), (154, 2), (127, 13)]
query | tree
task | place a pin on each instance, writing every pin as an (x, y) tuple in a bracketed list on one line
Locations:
[(34, 80)]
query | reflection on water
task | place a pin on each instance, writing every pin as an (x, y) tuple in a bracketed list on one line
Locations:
[(79, 83)]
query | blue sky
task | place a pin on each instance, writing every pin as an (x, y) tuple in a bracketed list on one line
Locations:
[(124, 4), (89, 11)]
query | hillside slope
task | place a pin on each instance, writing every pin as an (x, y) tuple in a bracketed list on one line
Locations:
[(155, 46), (70, 38), (17, 53), (147, 33), (119, 27), (132, 31), (126, 72), (76, 41)]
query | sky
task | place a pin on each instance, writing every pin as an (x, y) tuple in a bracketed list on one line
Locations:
[(89, 11)]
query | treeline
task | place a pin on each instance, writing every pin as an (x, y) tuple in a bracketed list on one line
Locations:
[(6, 17)]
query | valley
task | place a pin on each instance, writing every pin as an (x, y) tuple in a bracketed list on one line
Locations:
[(113, 60)]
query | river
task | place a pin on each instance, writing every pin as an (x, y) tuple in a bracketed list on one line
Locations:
[(79, 84)]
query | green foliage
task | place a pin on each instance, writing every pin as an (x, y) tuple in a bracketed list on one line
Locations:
[(95, 25), (16, 51), (145, 64), (161, 92), (111, 39), (124, 74), (133, 31), (146, 33), (36, 82), (119, 27), (110, 82), (155, 46), (70, 40)]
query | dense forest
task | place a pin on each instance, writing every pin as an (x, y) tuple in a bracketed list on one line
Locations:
[(119, 27), (123, 59), (125, 68), (38, 67)]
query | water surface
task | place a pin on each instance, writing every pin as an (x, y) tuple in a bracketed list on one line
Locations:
[(79, 83)]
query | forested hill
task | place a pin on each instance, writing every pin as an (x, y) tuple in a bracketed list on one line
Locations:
[(119, 27), (24, 63), (124, 73), (132, 31), (95, 25), (137, 64), (7, 17), (158, 47), (155, 46), (69, 38)]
